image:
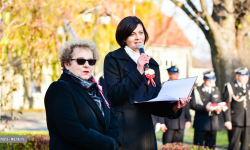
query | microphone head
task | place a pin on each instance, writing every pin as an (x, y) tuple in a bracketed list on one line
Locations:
[(140, 45)]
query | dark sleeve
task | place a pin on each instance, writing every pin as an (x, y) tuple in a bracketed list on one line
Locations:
[(119, 90), (225, 98), (157, 119), (113, 127), (187, 113), (197, 107), (161, 109), (162, 120), (62, 113)]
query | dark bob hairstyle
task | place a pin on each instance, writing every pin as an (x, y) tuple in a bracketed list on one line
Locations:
[(126, 27)]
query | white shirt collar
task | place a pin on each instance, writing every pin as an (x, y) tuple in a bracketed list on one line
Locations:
[(132, 54), (240, 85), (208, 89)]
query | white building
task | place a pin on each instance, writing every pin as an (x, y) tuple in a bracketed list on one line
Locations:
[(169, 46)]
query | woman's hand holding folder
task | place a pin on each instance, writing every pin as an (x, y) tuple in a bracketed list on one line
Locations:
[(181, 103)]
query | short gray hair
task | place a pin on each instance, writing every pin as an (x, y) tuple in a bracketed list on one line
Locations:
[(67, 49)]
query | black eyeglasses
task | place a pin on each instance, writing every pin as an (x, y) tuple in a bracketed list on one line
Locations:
[(81, 61)]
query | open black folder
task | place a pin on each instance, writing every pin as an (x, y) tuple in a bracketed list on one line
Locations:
[(173, 90)]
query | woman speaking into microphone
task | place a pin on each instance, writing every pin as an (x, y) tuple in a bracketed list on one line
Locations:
[(126, 83)]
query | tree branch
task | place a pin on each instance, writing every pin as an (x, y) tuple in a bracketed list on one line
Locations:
[(202, 27), (228, 6), (198, 13), (210, 21)]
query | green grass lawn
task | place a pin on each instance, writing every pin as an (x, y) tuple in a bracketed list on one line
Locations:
[(24, 132), (221, 138)]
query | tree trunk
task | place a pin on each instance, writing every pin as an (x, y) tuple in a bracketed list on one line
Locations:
[(26, 92), (229, 47), (228, 35)]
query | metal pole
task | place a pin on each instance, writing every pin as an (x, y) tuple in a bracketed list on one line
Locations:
[(68, 28), (1, 76)]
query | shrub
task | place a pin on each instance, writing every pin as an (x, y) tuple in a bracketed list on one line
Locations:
[(34, 142), (181, 146)]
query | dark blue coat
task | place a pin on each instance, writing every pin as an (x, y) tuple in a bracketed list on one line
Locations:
[(202, 120), (74, 120), (125, 85), (236, 113)]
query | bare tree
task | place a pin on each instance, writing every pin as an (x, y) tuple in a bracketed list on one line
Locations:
[(228, 34)]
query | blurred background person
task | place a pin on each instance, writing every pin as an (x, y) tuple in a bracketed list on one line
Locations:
[(206, 120), (102, 82), (174, 128), (78, 116), (126, 83), (237, 118)]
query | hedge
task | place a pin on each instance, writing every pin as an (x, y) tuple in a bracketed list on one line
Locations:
[(41, 142), (181, 146), (34, 142)]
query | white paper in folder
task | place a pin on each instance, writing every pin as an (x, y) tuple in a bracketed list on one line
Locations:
[(174, 89)]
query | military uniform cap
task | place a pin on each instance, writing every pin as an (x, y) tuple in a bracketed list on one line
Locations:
[(209, 75), (173, 70), (243, 71)]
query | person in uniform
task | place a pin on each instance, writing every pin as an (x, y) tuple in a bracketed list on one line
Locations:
[(206, 122), (174, 128), (237, 118)]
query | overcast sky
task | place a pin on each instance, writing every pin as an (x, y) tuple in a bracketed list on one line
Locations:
[(201, 47)]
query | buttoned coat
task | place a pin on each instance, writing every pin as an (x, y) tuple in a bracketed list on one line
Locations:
[(236, 113), (125, 85), (74, 120), (203, 120)]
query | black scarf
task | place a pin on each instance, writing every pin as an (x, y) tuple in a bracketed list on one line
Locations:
[(91, 88)]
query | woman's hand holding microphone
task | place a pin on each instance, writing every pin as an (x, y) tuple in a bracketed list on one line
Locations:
[(142, 60)]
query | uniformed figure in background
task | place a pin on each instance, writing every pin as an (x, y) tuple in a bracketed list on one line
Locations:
[(174, 128), (206, 121), (237, 118)]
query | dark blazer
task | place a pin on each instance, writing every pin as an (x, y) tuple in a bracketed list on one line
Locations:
[(179, 123), (236, 113), (125, 85), (74, 120), (202, 120)]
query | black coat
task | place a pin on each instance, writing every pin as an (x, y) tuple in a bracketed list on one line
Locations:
[(202, 120), (74, 120), (125, 85), (179, 123), (236, 113)]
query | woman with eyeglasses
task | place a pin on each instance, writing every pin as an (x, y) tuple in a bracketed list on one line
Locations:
[(78, 116), (127, 83)]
